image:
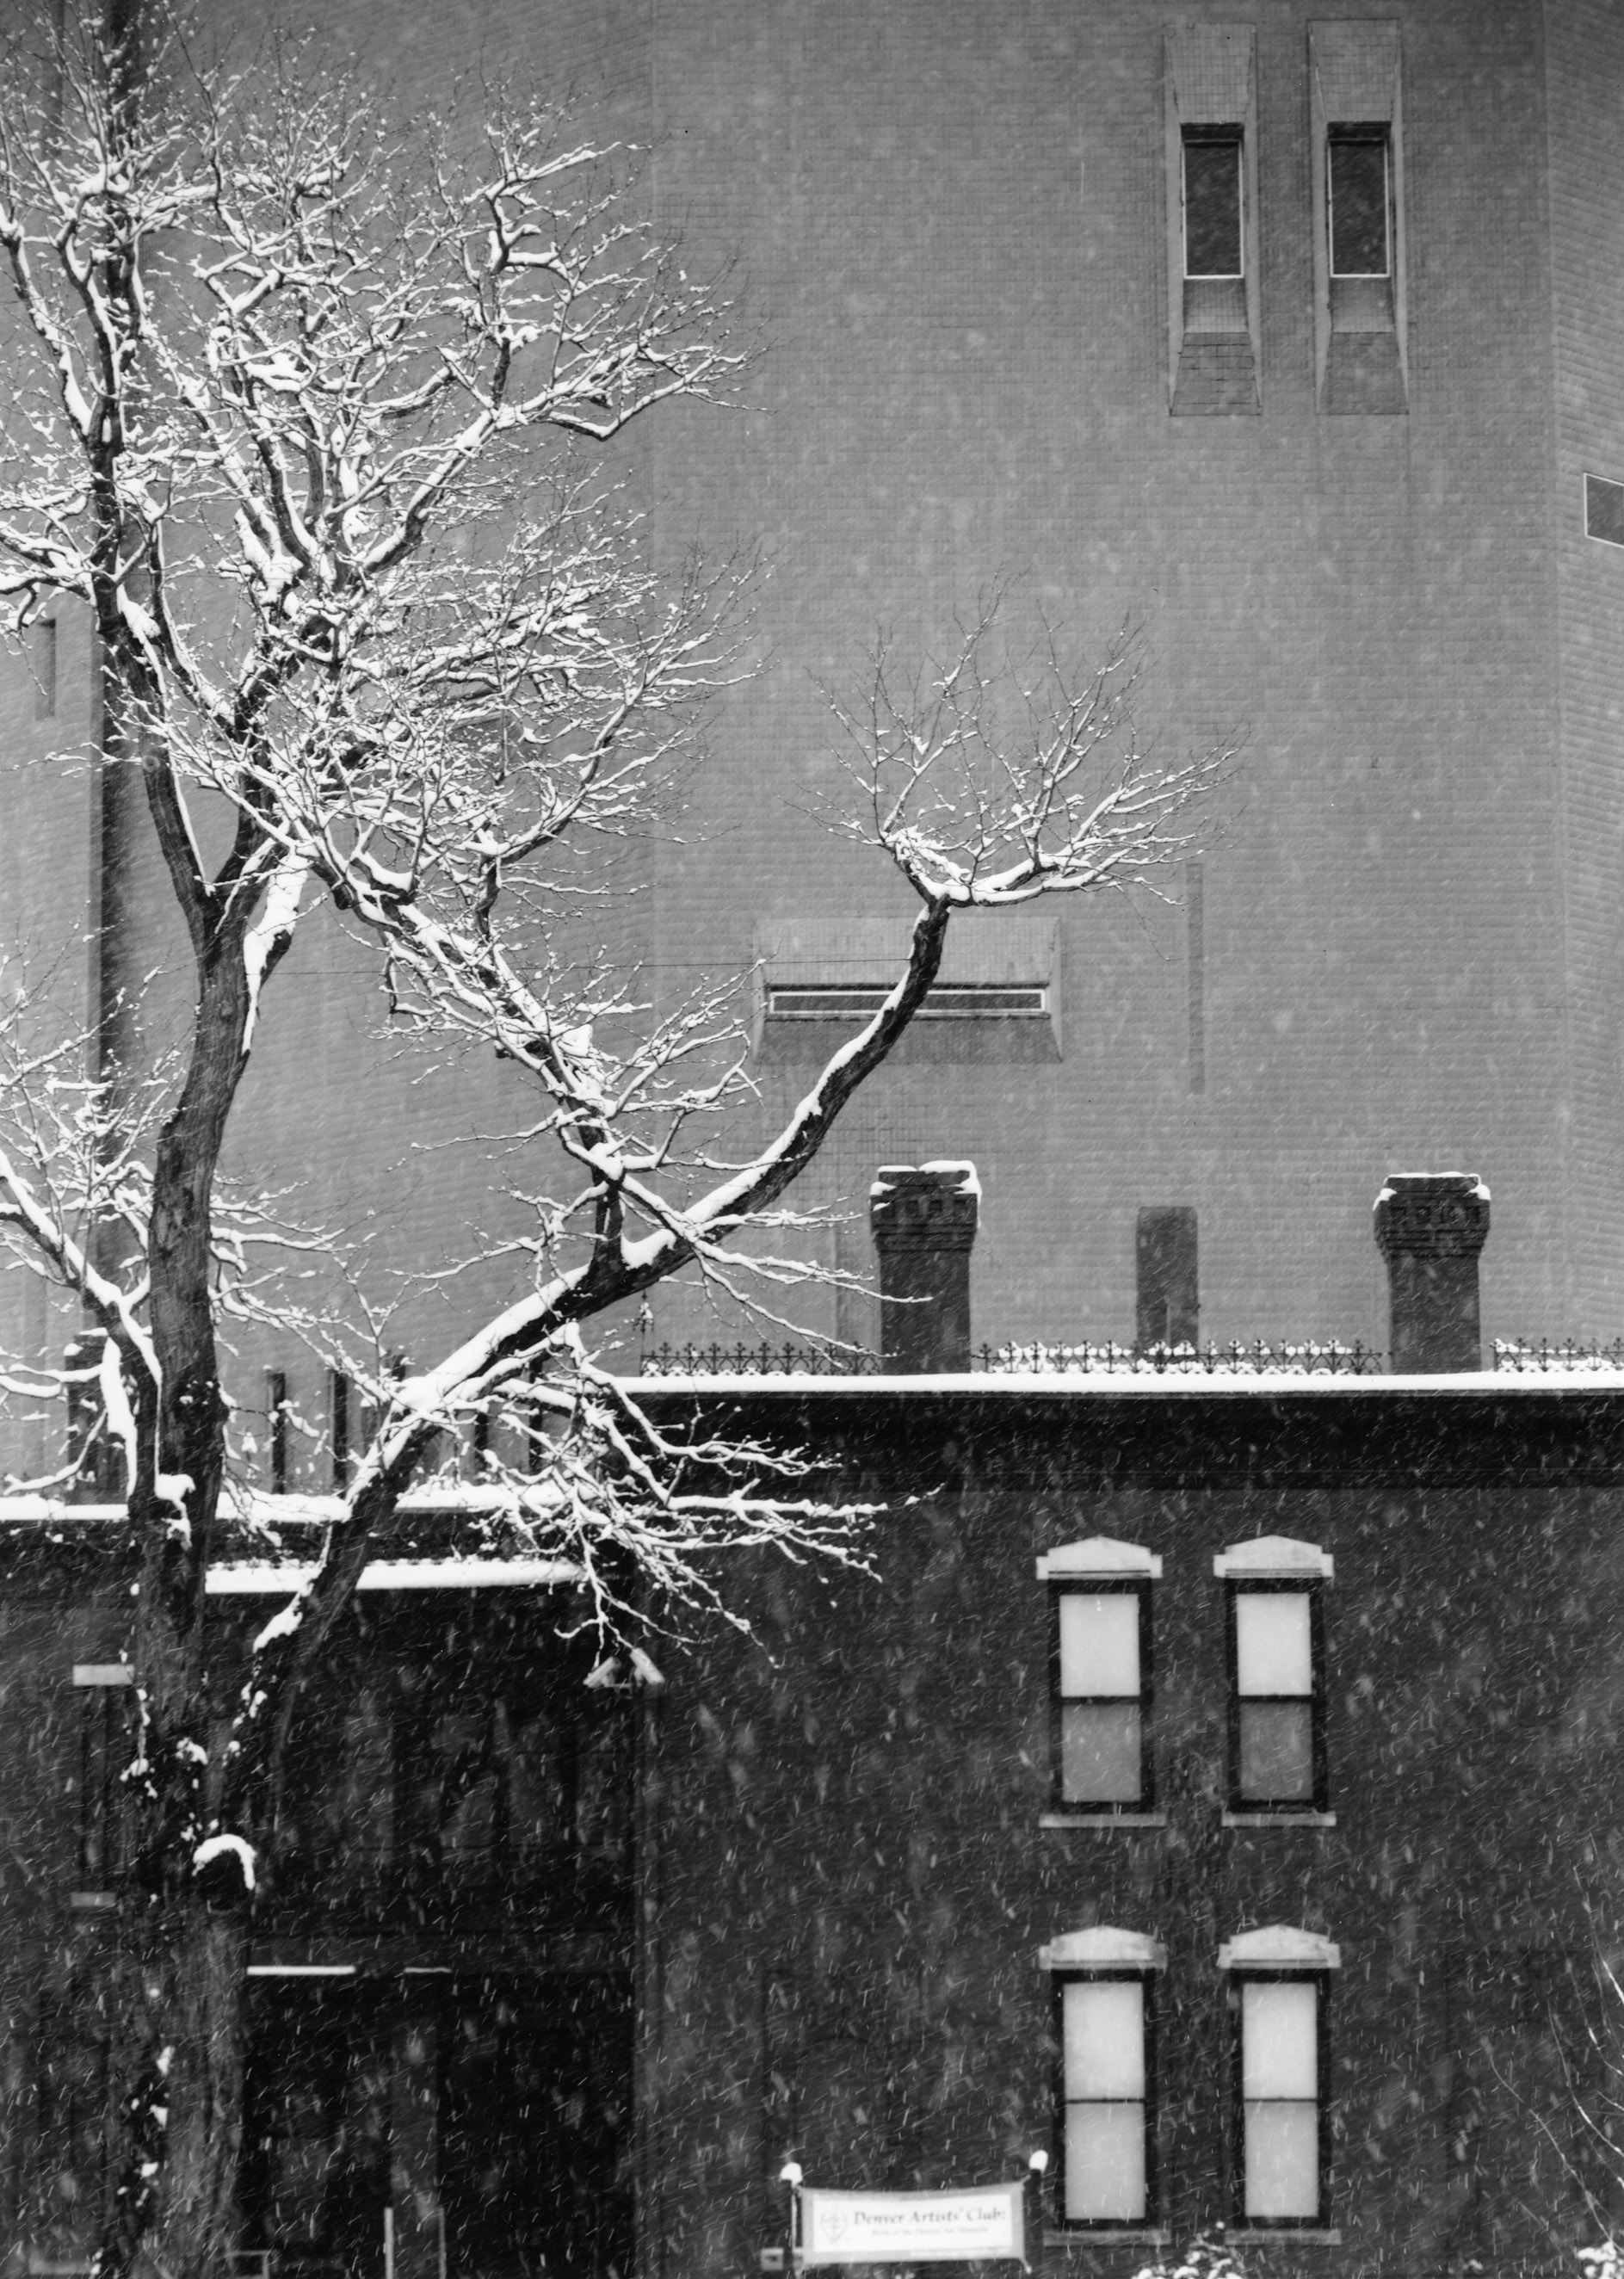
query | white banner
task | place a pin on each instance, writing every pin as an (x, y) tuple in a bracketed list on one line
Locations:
[(913, 2226)]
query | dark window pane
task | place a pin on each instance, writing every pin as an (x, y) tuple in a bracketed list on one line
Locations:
[(1604, 510), (1212, 206), (1276, 1752), (1358, 205), (1166, 1309), (1101, 1752)]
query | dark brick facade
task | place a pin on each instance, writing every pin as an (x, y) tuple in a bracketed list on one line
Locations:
[(806, 1913)]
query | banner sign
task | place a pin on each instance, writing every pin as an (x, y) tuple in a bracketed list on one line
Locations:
[(913, 2226)]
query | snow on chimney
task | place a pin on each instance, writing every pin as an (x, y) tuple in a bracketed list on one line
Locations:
[(924, 1222), (1430, 1226)]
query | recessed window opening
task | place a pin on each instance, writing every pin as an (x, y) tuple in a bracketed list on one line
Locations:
[(1281, 2095), (340, 1403), (44, 668), (842, 1001), (1106, 2042), (1214, 202), (1276, 1730), (1604, 510), (1102, 1700), (276, 1414), (1359, 201)]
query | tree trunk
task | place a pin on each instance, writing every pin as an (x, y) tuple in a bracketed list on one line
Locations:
[(178, 2077)]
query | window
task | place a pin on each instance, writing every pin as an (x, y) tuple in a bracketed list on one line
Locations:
[(948, 1001), (104, 1700), (1276, 1664), (1214, 202), (1166, 1309), (1105, 2035), (1604, 510), (44, 668), (1278, 1987), (1360, 293), (1100, 1688), (1359, 201), (276, 1416), (1210, 138), (340, 1398)]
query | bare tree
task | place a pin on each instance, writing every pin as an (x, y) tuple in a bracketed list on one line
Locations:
[(315, 416)]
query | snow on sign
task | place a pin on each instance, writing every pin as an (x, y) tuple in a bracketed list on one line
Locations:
[(912, 2227)]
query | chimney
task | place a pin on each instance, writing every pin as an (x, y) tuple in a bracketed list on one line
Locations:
[(924, 1222), (1430, 1226)]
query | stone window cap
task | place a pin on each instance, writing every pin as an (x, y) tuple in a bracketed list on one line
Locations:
[(1279, 1947), (1099, 1557), (1103, 1947), (1275, 1557)]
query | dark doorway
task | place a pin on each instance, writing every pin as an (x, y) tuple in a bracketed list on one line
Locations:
[(474, 2125)]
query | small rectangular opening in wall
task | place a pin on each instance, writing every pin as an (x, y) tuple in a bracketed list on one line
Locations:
[(45, 669), (1167, 1298), (1214, 202), (949, 1001), (1604, 510), (276, 1414), (1359, 200)]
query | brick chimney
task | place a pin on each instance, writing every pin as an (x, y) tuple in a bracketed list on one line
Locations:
[(924, 1222), (1430, 1226)]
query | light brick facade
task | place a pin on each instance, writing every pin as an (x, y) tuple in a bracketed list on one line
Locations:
[(951, 228)]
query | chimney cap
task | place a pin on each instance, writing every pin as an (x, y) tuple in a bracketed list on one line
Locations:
[(961, 1176)]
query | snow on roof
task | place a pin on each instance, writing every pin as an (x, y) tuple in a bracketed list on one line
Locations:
[(1478, 1186), (265, 1578), (1102, 1947), (1240, 1386), (1279, 1947), (1098, 1555), (1275, 1555)]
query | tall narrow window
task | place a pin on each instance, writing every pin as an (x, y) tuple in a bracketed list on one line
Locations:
[(1213, 199), (44, 668), (276, 1428), (1167, 1293), (1101, 1690), (1278, 1983), (1104, 2032), (104, 1700), (1276, 1660), (340, 1399), (1359, 201)]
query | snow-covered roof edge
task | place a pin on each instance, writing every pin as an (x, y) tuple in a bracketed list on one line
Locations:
[(1098, 1555), (1242, 1386), (1279, 1947), (269, 1576), (1281, 1556), (1103, 1947)]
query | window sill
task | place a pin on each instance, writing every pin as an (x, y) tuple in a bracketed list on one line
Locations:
[(1106, 2236), (1286, 2235), (1280, 1820), (1102, 1820)]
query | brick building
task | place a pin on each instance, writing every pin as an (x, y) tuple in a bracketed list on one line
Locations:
[(1367, 520), (1291, 341), (1212, 1784)]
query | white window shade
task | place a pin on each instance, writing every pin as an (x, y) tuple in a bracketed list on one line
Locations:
[(1100, 1642), (1280, 2095), (1106, 2083), (1274, 1643)]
